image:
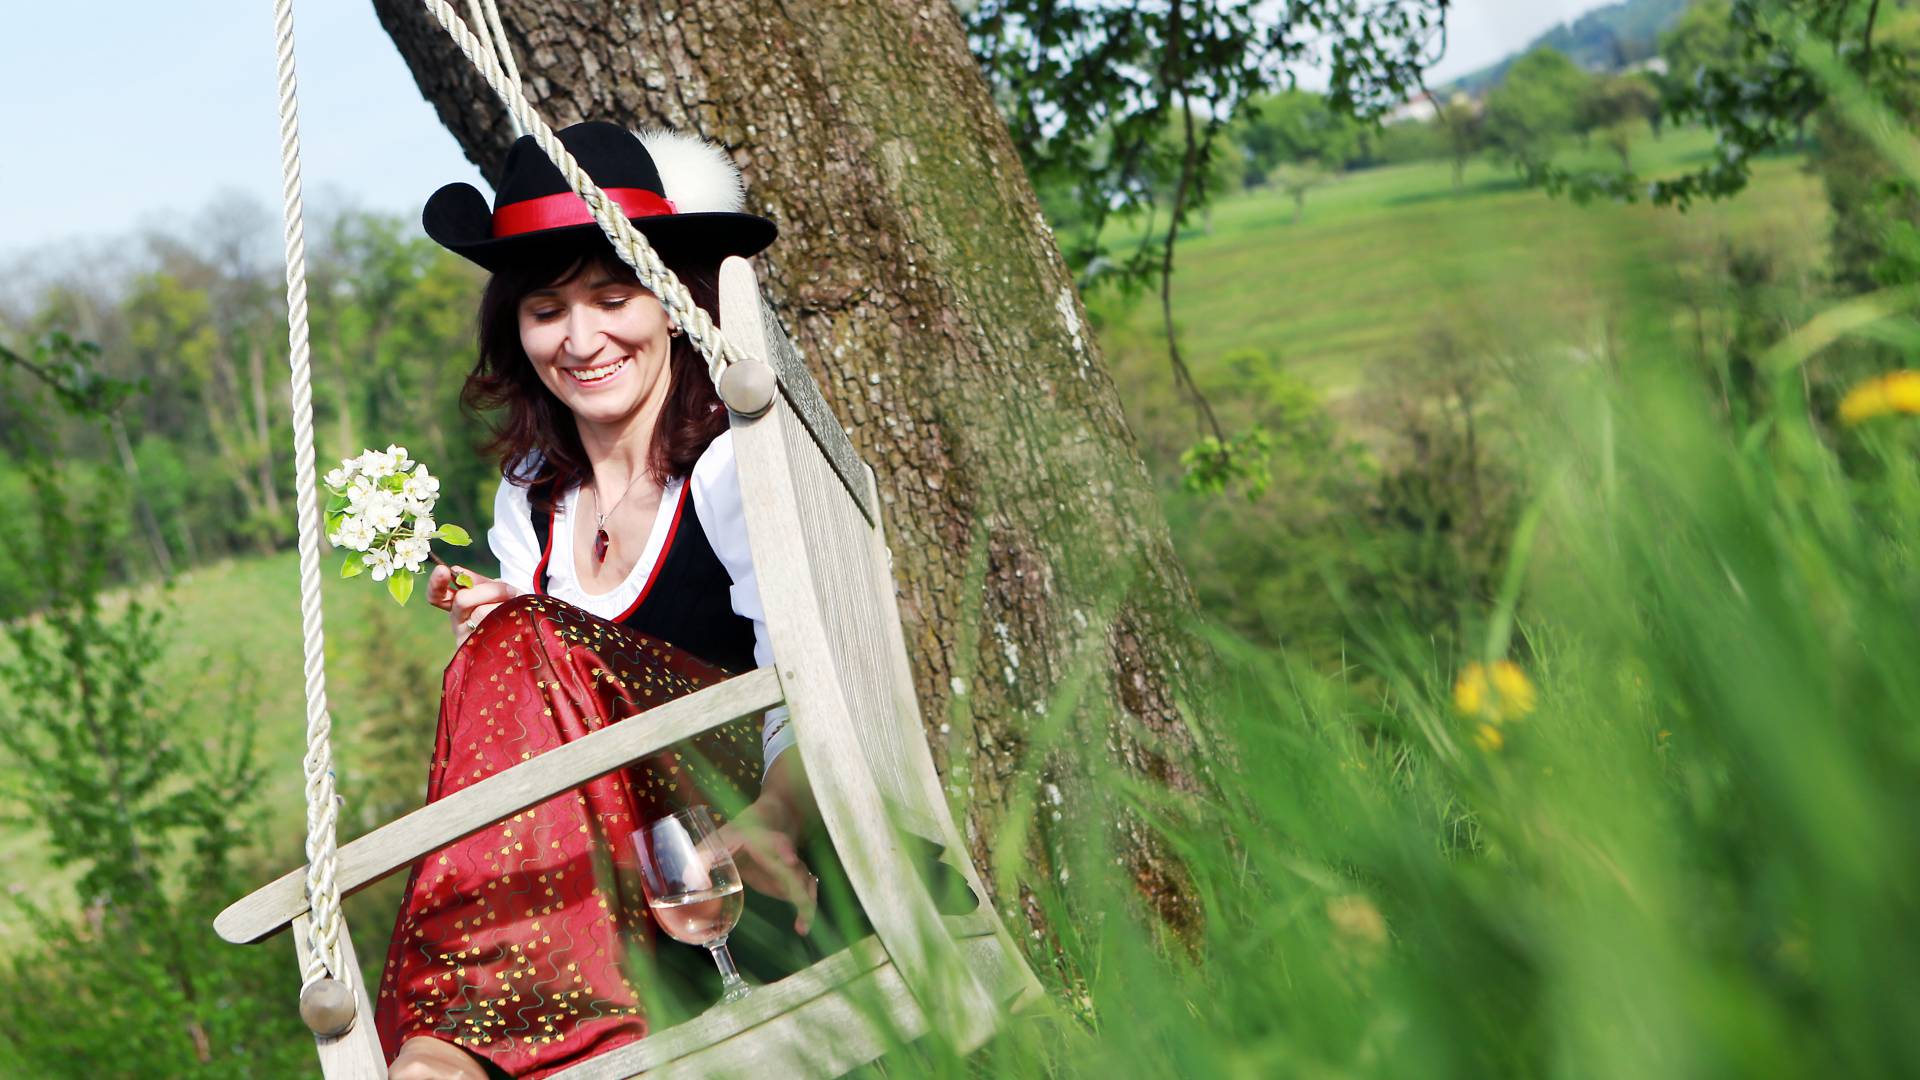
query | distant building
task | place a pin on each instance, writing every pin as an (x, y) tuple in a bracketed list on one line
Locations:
[(1421, 109), (1417, 111)]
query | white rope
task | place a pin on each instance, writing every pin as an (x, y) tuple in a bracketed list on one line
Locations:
[(628, 243), (493, 39), (323, 892)]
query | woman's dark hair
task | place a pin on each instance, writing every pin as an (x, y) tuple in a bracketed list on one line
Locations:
[(532, 419)]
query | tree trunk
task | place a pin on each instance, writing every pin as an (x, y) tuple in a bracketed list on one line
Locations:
[(263, 426), (916, 274), (130, 465)]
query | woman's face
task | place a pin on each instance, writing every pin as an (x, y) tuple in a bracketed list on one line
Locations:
[(599, 343)]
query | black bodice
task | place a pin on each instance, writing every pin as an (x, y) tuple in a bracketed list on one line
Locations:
[(686, 601)]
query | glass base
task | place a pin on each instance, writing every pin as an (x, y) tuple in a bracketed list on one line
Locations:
[(732, 986)]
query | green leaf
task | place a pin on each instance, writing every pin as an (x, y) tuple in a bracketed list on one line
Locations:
[(354, 566), (453, 534), (334, 518), (336, 504), (400, 586), (463, 579)]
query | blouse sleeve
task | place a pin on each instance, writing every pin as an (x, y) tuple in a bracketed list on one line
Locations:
[(716, 496), (511, 538)]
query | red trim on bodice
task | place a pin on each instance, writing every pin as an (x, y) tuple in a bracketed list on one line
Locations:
[(673, 530)]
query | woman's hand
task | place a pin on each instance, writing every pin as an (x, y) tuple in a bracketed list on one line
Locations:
[(466, 606), (764, 845)]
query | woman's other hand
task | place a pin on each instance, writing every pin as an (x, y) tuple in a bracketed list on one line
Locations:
[(466, 606), (763, 845)]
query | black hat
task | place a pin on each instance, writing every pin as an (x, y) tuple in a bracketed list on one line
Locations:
[(680, 191)]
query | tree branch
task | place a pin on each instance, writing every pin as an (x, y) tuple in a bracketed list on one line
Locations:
[(1188, 165), (1866, 43)]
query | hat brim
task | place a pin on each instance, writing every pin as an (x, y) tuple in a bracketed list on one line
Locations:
[(458, 218)]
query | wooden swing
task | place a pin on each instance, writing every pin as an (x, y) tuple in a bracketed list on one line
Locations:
[(813, 520)]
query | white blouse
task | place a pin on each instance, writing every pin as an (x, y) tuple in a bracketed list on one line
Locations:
[(716, 500)]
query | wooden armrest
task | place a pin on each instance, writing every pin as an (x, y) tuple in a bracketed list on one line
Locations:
[(403, 841)]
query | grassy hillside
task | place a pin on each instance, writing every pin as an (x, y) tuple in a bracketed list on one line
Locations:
[(1381, 262)]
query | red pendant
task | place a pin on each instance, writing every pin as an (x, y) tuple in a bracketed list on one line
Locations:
[(600, 546)]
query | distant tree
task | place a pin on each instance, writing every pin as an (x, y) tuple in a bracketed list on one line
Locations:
[(1614, 107), (1295, 126), (1464, 127), (1703, 40), (1539, 104), (1297, 178), (1409, 140)]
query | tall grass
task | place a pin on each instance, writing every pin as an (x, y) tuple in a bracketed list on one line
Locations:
[(1697, 854)]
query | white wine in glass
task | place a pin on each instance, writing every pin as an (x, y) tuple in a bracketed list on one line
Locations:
[(693, 887)]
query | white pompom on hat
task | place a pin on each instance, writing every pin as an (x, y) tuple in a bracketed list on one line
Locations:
[(698, 176), (681, 191)]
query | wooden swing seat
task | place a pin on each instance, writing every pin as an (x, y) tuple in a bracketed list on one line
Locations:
[(813, 519)]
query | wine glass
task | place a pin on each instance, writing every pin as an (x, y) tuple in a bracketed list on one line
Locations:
[(693, 887)]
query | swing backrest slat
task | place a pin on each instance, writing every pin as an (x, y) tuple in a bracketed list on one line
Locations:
[(820, 569)]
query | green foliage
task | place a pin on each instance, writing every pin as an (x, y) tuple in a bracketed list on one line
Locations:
[(1535, 107), (1089, 91), (1701, 41), (1750, 71), (195, 324), (1875, 206), (148, 821), (1403, 143), (1295, 126), (1239, 463)]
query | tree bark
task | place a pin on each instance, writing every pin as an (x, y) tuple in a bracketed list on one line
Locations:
[(918, 277)]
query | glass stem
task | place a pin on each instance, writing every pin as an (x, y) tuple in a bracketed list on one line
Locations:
[(732, 986)]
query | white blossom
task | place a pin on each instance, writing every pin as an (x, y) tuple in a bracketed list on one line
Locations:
[(379, 564), (410, 553), (389, 511), (422, 487), (376, 464), (384, 511), (356, 534)]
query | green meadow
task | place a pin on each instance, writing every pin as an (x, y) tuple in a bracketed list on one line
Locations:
[(1384, 261)]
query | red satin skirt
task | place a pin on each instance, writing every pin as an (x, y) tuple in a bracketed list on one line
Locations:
[(514, 942)]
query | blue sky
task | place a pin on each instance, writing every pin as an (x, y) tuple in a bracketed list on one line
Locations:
[(129, 115)]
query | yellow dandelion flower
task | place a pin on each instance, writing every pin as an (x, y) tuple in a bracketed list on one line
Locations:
[(1498, 692), (1488, 738), (1894, 392)]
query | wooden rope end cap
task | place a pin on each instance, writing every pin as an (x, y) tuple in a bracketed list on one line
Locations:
[(327, 1007), (748, 387)]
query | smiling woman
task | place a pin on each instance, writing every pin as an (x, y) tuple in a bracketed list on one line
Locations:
[(601, 407)]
